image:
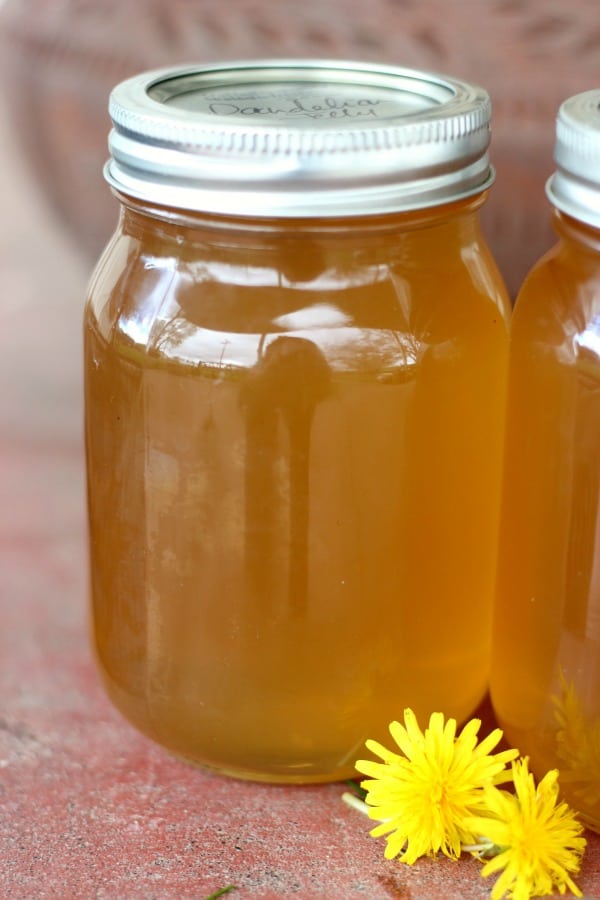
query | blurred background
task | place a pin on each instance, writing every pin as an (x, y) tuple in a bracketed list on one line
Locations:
[(59, 60)]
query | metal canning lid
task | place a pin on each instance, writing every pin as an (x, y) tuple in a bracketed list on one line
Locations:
[(293, 138), (574, 188)]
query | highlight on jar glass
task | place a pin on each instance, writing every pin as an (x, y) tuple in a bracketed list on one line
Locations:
[(546, 657), (296, 348)]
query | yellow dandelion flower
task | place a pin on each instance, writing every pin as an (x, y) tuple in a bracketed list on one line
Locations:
[(423, 796), (539, 839)]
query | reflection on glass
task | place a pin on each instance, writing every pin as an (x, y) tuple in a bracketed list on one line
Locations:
[(280, 393), (577, 747)]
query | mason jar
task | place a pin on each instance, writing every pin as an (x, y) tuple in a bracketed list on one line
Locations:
[(546, 661), (295, 354)]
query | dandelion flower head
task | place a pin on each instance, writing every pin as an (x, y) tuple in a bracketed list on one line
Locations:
[(426, 795), (539, 838)]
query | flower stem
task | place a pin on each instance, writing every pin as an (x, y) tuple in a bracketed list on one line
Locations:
[(355, 802)]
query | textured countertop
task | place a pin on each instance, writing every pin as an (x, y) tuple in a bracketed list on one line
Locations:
[(89, 808)]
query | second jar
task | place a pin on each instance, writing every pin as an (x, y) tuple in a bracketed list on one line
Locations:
[(295, 361), (546, 657)]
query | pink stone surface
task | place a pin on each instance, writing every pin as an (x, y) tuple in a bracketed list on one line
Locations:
[(89, 808)]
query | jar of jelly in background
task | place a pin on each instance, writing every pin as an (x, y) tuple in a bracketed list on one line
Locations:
[(296, 347), (546, 660)]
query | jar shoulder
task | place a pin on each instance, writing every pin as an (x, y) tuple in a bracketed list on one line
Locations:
[(560, 296), (210, 303)]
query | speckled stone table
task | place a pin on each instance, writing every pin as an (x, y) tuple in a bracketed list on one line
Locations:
[(88, 808)]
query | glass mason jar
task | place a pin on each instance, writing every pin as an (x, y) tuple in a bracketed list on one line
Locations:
[(296, 346), (546, 658)]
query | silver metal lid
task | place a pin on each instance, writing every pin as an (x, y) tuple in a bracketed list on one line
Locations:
[(298, 138), (575, 186)]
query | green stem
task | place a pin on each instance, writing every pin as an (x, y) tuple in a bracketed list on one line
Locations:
[(221, 891)]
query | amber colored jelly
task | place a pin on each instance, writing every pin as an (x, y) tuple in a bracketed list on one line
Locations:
[(294, 439), (546, 662)]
